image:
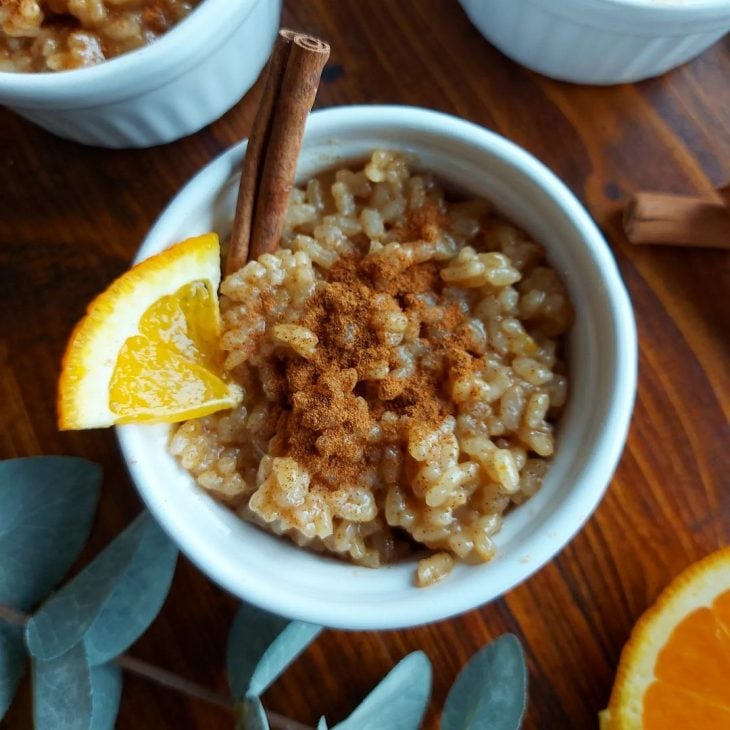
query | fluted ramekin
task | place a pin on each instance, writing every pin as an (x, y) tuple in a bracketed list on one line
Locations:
[(600, 41), (273, 572), (161, 92)]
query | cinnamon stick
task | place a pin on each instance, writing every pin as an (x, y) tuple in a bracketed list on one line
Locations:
[(253, 161), (269, 168), (677, 220)]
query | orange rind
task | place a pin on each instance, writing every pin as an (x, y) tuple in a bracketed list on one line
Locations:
[(674, 671), (147, 349)]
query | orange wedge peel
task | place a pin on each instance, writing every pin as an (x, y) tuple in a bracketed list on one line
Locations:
[(147, 349), (674, 672)]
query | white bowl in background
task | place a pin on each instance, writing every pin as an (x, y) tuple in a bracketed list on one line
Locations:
[(158, 93), (600, 41), (275, 574)]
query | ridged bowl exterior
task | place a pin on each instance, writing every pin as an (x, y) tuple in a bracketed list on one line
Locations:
[(571, 44), (277, 575), (181, 101)]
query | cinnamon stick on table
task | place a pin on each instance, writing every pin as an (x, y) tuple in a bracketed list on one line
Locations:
[(676, 220), (270, 164)]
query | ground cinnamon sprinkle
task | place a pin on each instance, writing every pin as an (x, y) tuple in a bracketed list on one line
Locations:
[(422, 224), (400, 361), (328, 412)]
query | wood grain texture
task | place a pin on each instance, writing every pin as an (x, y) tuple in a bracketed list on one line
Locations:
[(71, 219)]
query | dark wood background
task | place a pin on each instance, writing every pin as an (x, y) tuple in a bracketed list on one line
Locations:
[(71, 218)]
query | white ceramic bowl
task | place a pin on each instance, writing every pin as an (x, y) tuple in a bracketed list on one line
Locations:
[(272, 572), (164, 91), (600, 41)]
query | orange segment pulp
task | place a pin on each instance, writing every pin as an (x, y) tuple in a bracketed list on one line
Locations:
[(674, 671), (147, 349)]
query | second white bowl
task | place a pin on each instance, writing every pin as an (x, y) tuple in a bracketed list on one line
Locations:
[(275, 574), (161, 92), (600, 41)]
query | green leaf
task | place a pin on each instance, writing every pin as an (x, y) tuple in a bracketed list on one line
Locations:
[(112, 601), (399, 702), (106, 692), (69, 694), (12, 663), (137, 598), (490, 693), (62, 692), (285, 648), (255, 715), (48, 506), (260, 647), (250, 634)]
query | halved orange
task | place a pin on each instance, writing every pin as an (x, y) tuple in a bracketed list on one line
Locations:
[(147, 349), (674, 672)]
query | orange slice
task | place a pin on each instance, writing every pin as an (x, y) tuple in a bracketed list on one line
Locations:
[(674, 671), (147, 349)]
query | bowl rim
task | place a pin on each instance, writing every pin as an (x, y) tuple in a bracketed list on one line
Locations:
[(679, 9), (672, 6), (559, 527), (142, 65), (687, 16)]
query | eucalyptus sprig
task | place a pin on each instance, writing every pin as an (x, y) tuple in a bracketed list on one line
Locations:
[(72, 638), (491, 690), (75, 637), (399, 702), (47, 507)]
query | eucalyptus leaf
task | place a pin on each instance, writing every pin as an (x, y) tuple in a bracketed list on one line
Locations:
[(136, 600), (490, 693), (106, 692), (12, 663), (68, 694), (260, 647), (62, 692), (399, 702), (322, 724), (255, 715), (250, 634), (48, 506), (112, 601), (282, 651)]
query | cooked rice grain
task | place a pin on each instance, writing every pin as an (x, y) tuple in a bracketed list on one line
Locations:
[(482, 336)]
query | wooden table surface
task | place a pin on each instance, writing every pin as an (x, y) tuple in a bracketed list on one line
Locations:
[(71, 218)]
